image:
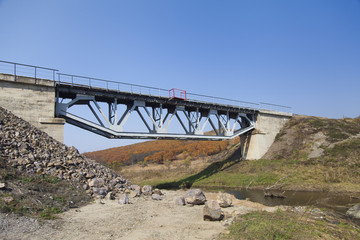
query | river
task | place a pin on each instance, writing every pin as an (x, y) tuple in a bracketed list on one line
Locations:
[(340, 202)]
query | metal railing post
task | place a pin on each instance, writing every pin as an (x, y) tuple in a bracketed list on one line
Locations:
[(35, 75), (15, 71)]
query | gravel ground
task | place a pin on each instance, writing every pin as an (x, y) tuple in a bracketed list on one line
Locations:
[(144, 218)]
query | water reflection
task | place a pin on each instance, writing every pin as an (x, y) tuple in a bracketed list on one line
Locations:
[(339, 202)]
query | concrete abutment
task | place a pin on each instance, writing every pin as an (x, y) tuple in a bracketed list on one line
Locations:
[(268, 124), (34, 101)]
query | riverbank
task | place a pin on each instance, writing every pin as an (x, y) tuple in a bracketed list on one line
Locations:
[(144, 218), (148, 219)]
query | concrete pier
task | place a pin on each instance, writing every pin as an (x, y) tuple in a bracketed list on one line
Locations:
[(34, 101)]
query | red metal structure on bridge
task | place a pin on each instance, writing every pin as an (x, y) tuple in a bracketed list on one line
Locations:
[(177, 93)]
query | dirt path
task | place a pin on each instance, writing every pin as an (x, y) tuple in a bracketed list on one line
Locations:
[(143, 219)]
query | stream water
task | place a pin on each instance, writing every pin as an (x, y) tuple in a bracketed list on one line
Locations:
[(339, 202)]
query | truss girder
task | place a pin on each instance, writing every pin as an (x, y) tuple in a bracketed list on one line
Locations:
[(156, 118)]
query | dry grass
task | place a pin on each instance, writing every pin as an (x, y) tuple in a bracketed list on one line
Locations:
[(308, 224)]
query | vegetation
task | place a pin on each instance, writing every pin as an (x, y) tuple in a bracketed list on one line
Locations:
[(288, 162), (159, 151), (311, 224), (37, 195)]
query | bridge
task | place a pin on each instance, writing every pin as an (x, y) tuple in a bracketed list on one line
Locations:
[(108, 108)]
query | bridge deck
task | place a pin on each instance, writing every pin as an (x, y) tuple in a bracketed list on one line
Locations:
[(66, 90)]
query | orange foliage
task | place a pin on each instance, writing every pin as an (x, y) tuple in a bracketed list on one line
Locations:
[(158, 151)]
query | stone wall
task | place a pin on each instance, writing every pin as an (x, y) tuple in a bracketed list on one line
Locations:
[(268, 125), (34, 101)]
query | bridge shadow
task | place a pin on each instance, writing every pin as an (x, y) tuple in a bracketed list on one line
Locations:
[(233, 157)]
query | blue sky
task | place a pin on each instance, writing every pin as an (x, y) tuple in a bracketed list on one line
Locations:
[(300, 53)]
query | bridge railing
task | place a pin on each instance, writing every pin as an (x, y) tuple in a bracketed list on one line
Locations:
[(89, 82), (223, 101), (274, 107), (25, 70)]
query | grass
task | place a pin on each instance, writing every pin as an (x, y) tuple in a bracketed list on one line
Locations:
[(36, 195), (335, 170), (49, 213), (299, 173), (291, 225)]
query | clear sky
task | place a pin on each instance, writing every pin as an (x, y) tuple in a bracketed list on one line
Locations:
[(300, 53)]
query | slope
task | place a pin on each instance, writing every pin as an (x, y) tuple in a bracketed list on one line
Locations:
[(309, 153), (40, 176)]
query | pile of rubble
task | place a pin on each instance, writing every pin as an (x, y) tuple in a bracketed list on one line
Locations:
[(32, 151)]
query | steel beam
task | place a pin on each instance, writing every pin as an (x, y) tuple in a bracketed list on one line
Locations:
[(159, 114)]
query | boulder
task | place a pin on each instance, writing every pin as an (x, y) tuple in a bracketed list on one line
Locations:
[(2, 185), (156, 197), (100, 192), (147, 190), (195, 197), (134, 194), (134, 187), (8, 200), (157, 191), (96, 182), (224, 200), (354, 211), (110, 196), (212, 211), (180, 201), (124, 199)]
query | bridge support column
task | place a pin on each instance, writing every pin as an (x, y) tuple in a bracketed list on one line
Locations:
[(268, 124)]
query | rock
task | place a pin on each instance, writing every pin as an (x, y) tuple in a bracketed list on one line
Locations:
[(23, 161), (96, 182), (90, 174), (86, 186), (195, 197), (156, 197), (147, 190), (124, 199), (99, 191), (157, 191), (224, 200), (212, 211), (8, 200), (180, 201), (110, 196), (134, 187), (354, 211), (134, 194), (2, 185)]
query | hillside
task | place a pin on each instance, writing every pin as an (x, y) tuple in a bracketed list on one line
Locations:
[(158, 152), (309, 153)]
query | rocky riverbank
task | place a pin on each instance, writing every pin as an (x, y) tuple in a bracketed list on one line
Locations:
[(143, 218)]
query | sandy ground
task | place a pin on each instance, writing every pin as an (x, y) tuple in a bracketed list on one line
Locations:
[(144, 218)]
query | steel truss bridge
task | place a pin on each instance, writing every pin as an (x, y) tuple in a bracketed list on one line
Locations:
[(107, 107), (111, 104)]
